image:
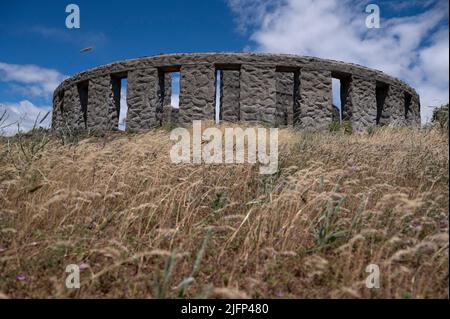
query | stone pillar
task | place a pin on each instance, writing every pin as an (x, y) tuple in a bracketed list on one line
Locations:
[(415, 111), (229, 95), (383, 104), (83, 91), (296, 105), (58, 121), (116, 87), (258, 94), (142, 99), (69, 108), (167, 95), (73, 110), (102, 111), (362, 103), (346, 101), (197, 100), (411, 109), (170, 115), (316, 109), (394, 107), (165, 111), (285, 98)]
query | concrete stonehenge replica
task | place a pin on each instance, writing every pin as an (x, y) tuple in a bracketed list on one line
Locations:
[(275, 89)]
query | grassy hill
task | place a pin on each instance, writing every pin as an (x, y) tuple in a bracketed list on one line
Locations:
[(140, 226)]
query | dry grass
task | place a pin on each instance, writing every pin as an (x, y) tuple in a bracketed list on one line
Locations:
[(143, 227)]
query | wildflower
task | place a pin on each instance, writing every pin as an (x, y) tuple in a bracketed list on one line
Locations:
[(83, 265)]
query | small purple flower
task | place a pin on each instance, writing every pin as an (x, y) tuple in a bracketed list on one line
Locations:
[(83, 265), (280, 294), (21, 277)]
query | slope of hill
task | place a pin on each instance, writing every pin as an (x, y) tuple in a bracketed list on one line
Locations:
[(140, 226)]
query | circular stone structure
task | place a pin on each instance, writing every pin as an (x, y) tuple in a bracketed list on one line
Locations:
[(271, 88)]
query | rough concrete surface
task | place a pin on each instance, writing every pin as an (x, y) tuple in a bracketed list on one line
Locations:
[(269, 88)]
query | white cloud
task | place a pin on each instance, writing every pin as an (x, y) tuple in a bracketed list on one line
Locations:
[(23, 115), (250, 12), (175, 100), (413, 48), (30, 80), (81, 38), (123, 109)]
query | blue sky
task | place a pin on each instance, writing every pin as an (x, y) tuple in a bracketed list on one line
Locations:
[(37, 51)]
